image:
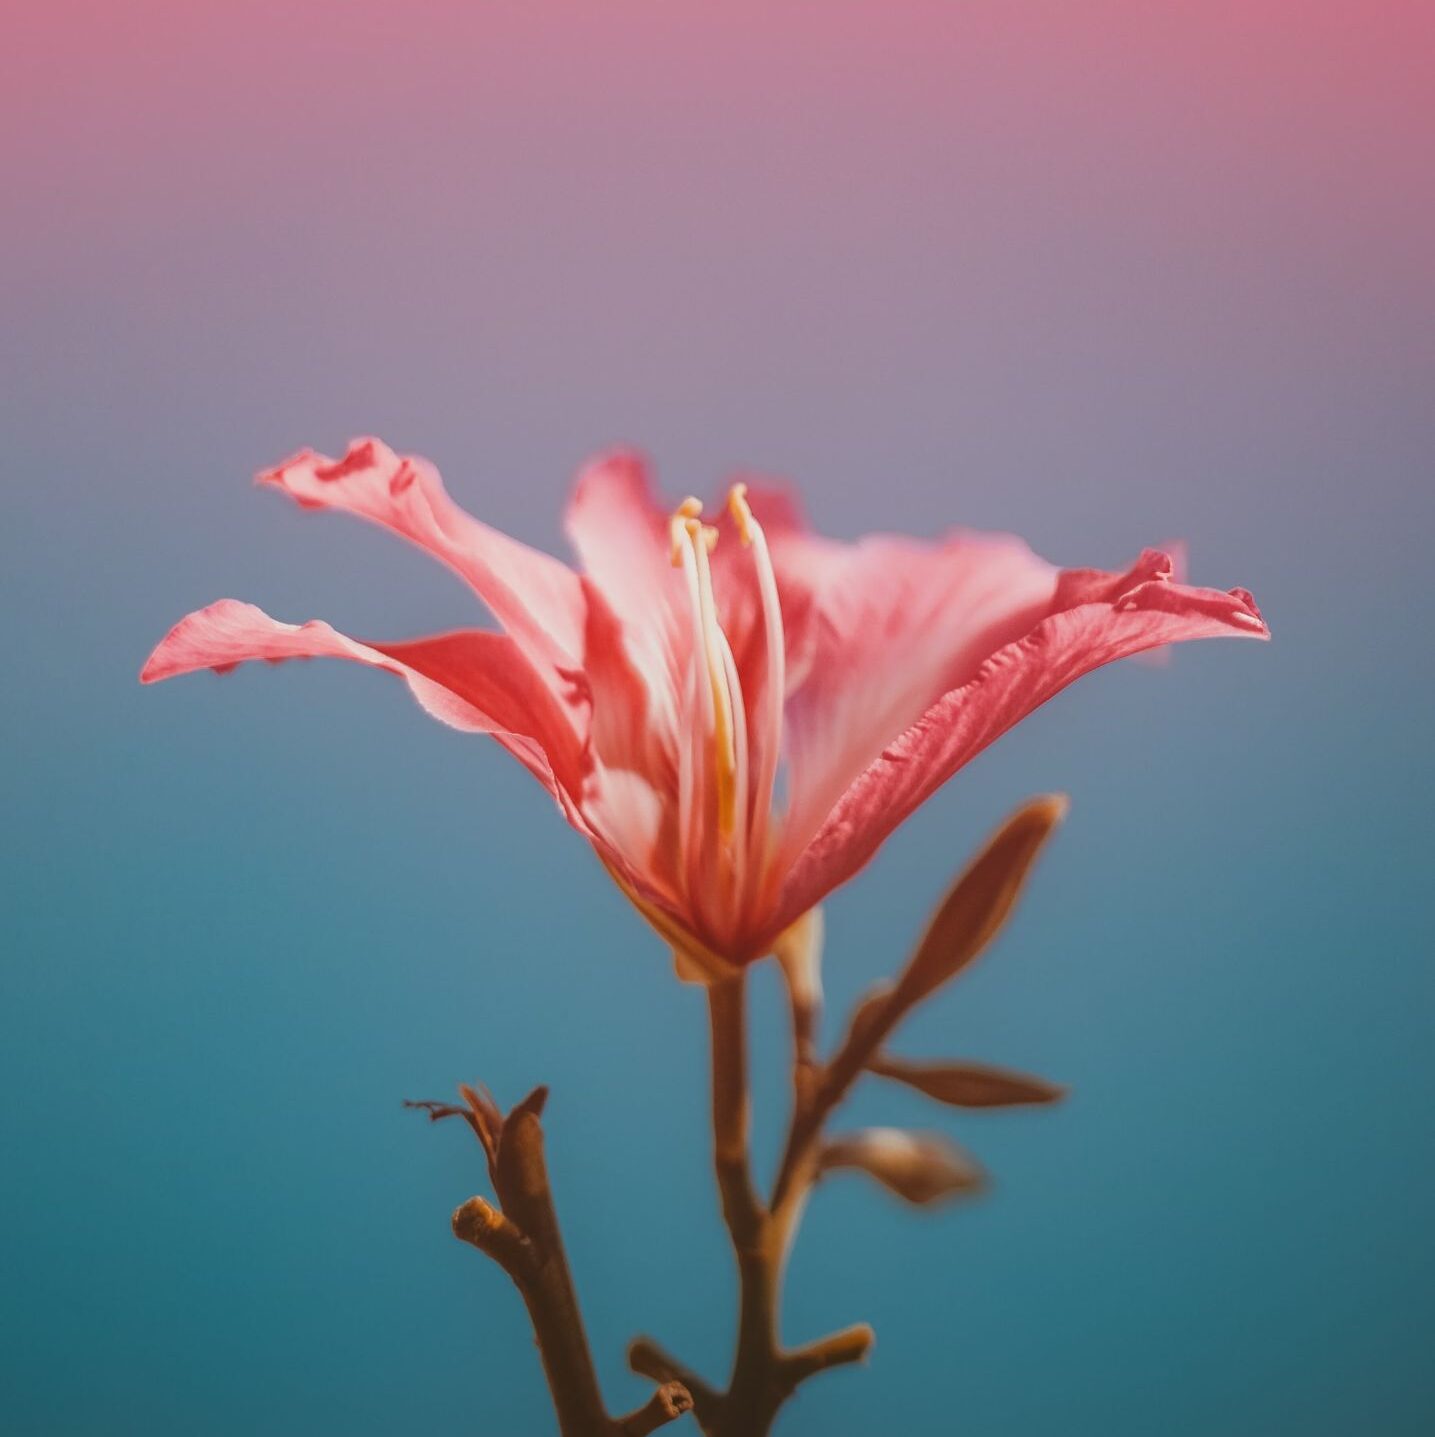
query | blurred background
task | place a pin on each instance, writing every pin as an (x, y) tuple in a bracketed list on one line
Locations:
[(1103, 274)]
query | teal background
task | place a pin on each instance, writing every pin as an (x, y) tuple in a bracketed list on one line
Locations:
[(1100, 274)]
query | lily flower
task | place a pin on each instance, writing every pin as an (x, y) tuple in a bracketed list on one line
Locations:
[(734, 714)]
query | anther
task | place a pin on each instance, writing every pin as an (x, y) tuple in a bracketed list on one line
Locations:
[(741, 512), (686, 525)]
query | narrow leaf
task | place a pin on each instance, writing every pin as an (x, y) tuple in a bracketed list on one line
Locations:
[(968, 1085), (921, 1168), (872, 1008), (981, 900)]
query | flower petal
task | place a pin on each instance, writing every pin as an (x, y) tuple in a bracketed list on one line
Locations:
[(620, 531), (621, 534), (1095, 619), (486, 671), (892, 625), (533, 595), (630, 659), (471, 680)]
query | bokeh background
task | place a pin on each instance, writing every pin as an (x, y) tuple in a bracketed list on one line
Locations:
[(1104, 274)]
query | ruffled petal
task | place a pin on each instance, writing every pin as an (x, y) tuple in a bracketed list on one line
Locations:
[(888, 626), (475, 681), (471, 680), (1096, 618), (534, 596)]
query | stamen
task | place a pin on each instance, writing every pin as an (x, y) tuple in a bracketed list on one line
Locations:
[(741, 512), (723, 721), (739, 825), (715, 645), (769, 747), (696, 704), (679, 527)]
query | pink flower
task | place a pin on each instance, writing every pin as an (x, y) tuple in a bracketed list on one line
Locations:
[(735, 716)]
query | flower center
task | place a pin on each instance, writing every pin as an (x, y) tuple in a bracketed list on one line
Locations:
[(717, 783)]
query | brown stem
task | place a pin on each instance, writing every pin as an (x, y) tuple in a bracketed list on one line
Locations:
[(548, 1292), (523, 1237), (666, 1405), (747, 1220), (798, 1169), (647, 1359), (852, 1344), (481, 1225), (971, 914), (763, 1376), (741, 1206), (799, 952)]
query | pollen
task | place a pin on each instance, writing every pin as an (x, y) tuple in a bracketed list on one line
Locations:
[(741, 512), (686, 525)]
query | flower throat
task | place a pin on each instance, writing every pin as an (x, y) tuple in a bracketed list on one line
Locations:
[(728, 758)]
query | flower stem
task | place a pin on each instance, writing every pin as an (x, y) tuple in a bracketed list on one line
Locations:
[(742, 1209), (743, 1408), (763, 1375)]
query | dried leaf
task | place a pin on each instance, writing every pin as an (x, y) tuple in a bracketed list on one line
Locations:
[(919, 1167), (435, 1110), (968, 1085), (487, 1119), (981, 900)]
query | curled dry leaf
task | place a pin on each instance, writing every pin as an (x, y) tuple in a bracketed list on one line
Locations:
[(486, 1119), (968, 1085), (921, 1168)]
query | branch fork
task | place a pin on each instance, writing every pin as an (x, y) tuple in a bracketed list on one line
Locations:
[(521, 1232), (921, 1170), (521, 1235)]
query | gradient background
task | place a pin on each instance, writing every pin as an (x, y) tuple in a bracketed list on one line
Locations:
[(1098, 273)]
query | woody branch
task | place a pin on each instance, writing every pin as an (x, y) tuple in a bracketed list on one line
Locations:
[(764, 1375), (522, 1236)]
